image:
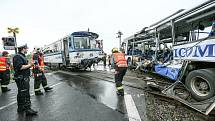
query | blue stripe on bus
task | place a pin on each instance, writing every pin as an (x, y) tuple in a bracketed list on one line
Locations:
[(81, 50), (50, 54)]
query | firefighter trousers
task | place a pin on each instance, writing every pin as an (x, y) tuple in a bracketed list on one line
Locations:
[(23, 96), (38, 79), (119, 74), (5, 79)]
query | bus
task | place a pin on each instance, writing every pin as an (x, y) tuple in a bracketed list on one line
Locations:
[(180, 47), (78, 50)]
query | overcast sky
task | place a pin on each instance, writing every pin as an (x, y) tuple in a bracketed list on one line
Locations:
[(45, 21)]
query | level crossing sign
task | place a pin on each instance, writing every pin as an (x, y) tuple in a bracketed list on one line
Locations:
[(15, 30)]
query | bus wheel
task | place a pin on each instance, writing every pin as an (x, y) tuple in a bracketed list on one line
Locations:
[(201, 83)]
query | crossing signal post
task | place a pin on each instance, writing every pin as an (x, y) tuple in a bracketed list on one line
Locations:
[(119, 34), (14, 31)]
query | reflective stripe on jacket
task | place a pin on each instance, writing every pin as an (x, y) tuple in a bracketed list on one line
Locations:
[(119, 60), (3, 64)]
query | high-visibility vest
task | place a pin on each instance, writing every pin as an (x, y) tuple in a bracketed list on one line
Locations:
[(3, 64), (119, 60)]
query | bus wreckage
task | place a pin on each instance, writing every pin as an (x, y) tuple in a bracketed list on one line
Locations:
[(180, 47)]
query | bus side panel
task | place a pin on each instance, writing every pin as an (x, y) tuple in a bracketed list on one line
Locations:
[(53, 58), (77, 56), (196, 51)]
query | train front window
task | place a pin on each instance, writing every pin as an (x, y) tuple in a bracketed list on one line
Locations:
[(81, 43)]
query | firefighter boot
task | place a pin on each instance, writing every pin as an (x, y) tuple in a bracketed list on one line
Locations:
[(48, 89), (20, 109), (30, 112), (120, 92), (38, 93)]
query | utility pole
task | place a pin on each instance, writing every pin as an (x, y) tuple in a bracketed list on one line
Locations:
[(119, 34), (14, 31)]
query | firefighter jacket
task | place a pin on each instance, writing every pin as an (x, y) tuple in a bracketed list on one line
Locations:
[(119, 60), (4, 64), (38, 63)]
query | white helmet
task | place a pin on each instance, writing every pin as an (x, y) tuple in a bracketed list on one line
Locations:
[(36, 48)]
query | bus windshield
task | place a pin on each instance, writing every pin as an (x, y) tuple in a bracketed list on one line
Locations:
[(81, 43)]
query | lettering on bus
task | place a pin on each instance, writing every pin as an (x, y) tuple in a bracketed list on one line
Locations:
[(198, 51)]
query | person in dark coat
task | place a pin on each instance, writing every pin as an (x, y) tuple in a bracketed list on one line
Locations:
[(22, 77)]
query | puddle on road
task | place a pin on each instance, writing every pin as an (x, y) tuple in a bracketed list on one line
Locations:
[(101, 91), (100, 68)]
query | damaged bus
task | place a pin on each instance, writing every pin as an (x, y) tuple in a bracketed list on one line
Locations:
[(180, 47), (78, 50)]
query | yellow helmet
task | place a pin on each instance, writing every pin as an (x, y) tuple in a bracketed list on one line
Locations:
[(114, 50)]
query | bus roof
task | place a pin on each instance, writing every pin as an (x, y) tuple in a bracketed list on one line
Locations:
[(184, 21), (85, 34)]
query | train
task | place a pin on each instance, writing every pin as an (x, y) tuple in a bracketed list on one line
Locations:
[(79, 50)]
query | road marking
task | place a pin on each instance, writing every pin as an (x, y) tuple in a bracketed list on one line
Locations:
[(13, 97), (49, 74), (56, 84), (14, 102), (3, 107), (133, 114)]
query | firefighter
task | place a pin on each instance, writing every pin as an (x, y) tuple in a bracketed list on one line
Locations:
[(39, 76), (109, 60), (5, 71), (104, 59), (120, 65), (22, 77)]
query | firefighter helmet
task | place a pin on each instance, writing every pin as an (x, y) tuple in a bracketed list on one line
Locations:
[(4, 53), (114, 50)]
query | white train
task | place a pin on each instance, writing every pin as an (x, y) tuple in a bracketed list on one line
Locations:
[(78, 50)]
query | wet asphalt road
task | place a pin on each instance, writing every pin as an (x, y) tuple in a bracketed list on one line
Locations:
[(76, 97)]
